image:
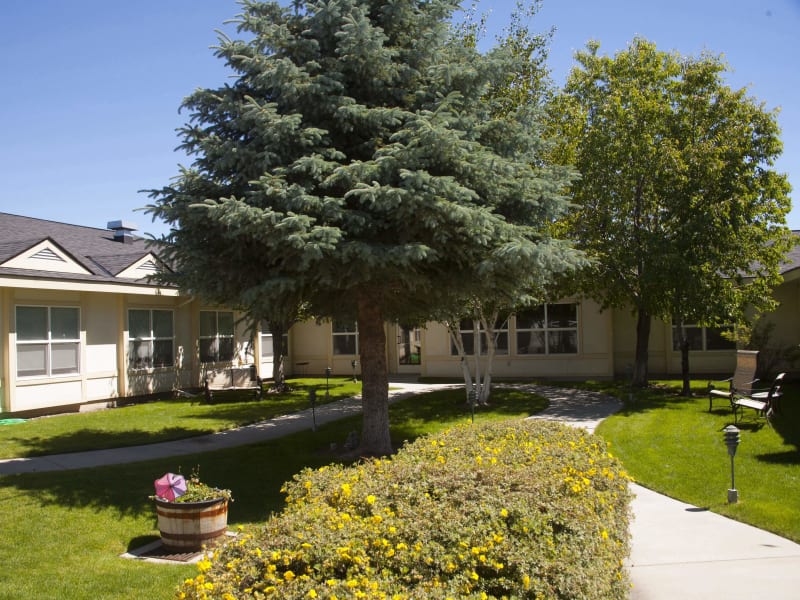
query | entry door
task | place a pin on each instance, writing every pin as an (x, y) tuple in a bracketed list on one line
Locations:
[(409, 350)]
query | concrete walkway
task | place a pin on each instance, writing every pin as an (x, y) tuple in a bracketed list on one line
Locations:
[(678, 551)]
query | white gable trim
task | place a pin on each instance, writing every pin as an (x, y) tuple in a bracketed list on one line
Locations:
[(45, 256), (145, 266)]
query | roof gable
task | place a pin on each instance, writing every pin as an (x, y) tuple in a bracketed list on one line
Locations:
[(146, 266), (45, 256)]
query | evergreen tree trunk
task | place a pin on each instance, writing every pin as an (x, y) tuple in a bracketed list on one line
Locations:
[(375, 437), (642, 342)]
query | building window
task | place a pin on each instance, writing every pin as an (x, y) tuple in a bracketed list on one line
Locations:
[(467, 329), (409, 346), (703, 338), (216, 336), (48, 341), (150, 339), (345, 338), (548, 329)]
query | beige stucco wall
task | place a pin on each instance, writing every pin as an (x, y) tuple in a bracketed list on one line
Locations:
[(606, 344), (312, 352), (663, 360), (593, 359)]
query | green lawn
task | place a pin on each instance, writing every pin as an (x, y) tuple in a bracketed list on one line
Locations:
[(673, 445), (63, 532), (159, 421)]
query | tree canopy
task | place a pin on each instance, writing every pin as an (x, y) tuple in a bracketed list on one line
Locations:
[(678, 202), (358, 162)]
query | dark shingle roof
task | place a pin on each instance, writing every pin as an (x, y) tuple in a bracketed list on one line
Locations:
[(94, 249)]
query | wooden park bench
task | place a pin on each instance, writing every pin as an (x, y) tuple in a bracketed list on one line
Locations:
[(232, 378), (741, 383), (764, 402)]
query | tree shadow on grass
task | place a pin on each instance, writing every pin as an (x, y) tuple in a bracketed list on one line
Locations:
[(98, 439), (255, 474), (450, 406), (641, 400)]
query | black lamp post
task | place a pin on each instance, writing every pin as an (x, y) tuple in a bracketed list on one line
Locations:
[(732, 441), (312, 399)]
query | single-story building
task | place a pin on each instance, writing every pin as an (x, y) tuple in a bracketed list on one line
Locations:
[(80, 323)]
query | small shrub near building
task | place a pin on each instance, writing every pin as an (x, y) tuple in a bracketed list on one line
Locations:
[(522, 509)]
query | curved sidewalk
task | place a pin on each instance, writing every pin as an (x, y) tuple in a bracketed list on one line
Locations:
[(678, 550)]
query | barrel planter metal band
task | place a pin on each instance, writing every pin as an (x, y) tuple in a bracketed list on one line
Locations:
[(188, 526)]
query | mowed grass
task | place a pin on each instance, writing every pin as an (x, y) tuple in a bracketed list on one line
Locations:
[(674, 445), (63, 532), (162, 420)]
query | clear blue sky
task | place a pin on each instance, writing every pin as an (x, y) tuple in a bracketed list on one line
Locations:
[(90, 89)]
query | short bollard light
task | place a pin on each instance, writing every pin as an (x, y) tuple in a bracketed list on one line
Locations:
[(354, 364), (327, 383), (312, 399), (732, 441)]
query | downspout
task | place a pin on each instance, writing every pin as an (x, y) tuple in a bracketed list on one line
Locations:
[(5, 332), (122, 345)]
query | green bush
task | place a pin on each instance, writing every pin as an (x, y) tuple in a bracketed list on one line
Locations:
[(524, 509)]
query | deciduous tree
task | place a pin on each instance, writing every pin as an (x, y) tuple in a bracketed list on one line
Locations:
[(679, 203)]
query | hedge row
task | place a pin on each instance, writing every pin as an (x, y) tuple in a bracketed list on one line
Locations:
[(522, 509)]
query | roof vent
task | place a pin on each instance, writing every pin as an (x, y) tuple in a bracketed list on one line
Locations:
[(123, 230)]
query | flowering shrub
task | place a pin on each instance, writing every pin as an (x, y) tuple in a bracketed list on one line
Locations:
[(524, 509)]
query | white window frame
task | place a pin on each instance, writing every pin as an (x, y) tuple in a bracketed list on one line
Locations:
[(49, 344), (217, 337), (546, 331), (472, 335), (150, 340), (344, 329)]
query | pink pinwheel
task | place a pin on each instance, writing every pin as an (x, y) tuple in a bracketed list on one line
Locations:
[(170, 486)]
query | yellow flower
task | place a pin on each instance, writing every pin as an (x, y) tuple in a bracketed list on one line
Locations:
[(289, 575), (604, 534), (312, 593), (204, 565), (370, 499), (504, 513)]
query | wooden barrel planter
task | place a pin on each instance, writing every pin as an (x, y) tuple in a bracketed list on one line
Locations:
[(188, 526)]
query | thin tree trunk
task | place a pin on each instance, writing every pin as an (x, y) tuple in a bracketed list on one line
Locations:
[(491, 349), (375, 437), (455, 336), (683, 344), (640, 378)]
